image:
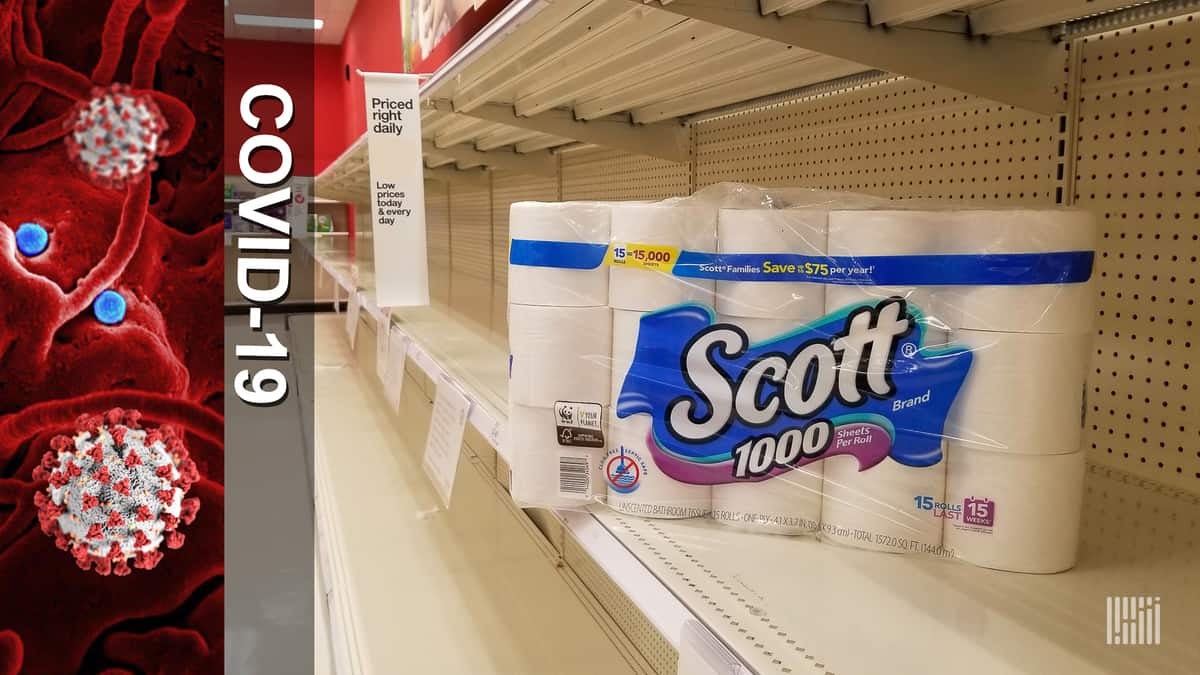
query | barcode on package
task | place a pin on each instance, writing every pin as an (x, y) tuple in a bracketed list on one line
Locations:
[(574, 477)]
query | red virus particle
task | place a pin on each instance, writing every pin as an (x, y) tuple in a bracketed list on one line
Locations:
[(115, 136), (116, 492)]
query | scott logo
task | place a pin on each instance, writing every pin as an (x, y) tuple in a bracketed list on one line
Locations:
[(725, 410), (798, 385)]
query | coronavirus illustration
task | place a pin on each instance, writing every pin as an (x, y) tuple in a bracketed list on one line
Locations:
[(116, 492), (115, 136), (111, 266)]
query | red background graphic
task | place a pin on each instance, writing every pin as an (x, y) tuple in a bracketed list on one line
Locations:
[(159, 243)]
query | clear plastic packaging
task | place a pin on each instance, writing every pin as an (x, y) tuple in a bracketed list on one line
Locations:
[(896, 376)]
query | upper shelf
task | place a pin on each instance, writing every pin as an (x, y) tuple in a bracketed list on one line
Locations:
[(627, 74)]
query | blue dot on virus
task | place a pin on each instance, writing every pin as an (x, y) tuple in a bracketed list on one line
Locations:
[(109, 308), (32, 239)]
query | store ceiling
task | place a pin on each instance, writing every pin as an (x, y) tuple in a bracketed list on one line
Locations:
[(335, 13)]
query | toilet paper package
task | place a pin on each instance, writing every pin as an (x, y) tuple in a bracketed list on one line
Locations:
[(750, 231), (881, 509), (789, 503), (869, 374), (643, 288), (558, 249), (557, 453), (559, 354), (637, 486), (1018, 513), (1025, 392)]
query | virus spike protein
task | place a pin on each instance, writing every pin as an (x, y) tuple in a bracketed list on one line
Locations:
[(106, 512)]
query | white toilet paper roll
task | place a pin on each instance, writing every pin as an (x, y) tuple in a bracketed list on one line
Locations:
[(889, 507), (1023, 393), (1019, 513), (789, 503), (573, 222), (893, 232), (936, 331), (546, 473), (1042, 308), (1039, 308), (801, 231), (905, 232), (680, 227), (786, 504), (636, 485), (559, 354)]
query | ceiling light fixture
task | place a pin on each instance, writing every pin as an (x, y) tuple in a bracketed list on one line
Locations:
[(278, 21)]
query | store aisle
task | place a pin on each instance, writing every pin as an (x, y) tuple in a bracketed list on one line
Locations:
[(465, 590)]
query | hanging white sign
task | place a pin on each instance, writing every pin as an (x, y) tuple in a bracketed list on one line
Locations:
[(397, 189)]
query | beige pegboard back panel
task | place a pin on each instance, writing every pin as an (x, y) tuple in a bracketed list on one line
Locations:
[(895, 137), (615, 175), (471, 252), (437, 240), (1137, 167)]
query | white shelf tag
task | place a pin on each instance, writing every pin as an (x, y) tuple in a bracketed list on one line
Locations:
[(393, 374), (397, 188), (444, 444), (352, 310)]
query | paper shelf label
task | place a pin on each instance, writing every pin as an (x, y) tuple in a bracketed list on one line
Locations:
[(444, 444)]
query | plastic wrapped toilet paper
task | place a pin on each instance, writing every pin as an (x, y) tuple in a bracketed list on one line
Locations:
[(789, 503), (635, 483), (1024, 393), (766, 231), (1042, 308), (559, 354), (555, 464), (572, 224), (678, 227), (1018, 513), (1036, 308), (625, 325), (881, 233), (762, 402), (889, 507)]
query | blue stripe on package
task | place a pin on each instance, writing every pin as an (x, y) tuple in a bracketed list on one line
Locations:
[(569, 255)]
